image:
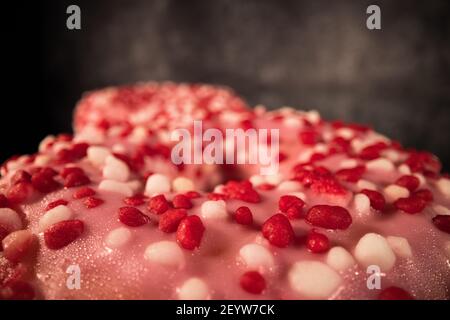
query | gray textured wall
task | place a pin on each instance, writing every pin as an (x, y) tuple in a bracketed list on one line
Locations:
[(308, 54)]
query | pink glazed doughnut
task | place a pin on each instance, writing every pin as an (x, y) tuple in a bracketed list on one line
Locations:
[(350, 214)]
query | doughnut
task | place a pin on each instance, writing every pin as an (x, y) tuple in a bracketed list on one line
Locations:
[(106, 214)]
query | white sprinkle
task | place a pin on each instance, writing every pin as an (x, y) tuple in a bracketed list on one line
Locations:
[(116, 169), (274, 179), (16, 240), (422, 180), (361, 203), (116, 187), (257, 180), (357, 145), (345, 133), (166, 253), (392, 155), (41, 160), (97, 155), (135, 185), (157, 184), (193, 289), (404, 169), (54, 215), (60, 145), (138, 135), (10, 219), (313, 279), (321, 148), (364, 184), (305, 155), (43, 145), (90, 134), (373, 249), (119, 148), (313, 116), (300, 195), (442, 210), (182, 184), (118, 237), (115, 131), (348, 163), (289, 186), (394, 192), (214, 209), (400, 246), (256, 256), (340, 259), (293, 123), (13, 165), (443, 185), (219, 188), (380, 164)]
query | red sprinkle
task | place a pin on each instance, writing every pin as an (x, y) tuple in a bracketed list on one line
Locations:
[(170, 220), (158, 204), (410, 182), (135, 200), (266, 186), (317, 242), (192, 194), (83, 193), (308, 137), (44, 182), (54, 204), (278, 230), (377, 200), (19, 192), (351, 174), (442, 222), (3, 233), (329, 217), (20, 176), (243, 215), (3, 201), (69, 170), (253, 282), (291, 206), (17, 290), (181, 201), (373, 151), (76, 179), (424, 194), (190, 232), (132, 217), (319, 179), (76, 152), (420, 161), (63, 233), (394, 293), (412, 204), (92, 202), (79, 150), (241, 190)]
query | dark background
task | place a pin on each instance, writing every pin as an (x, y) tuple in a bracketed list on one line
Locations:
[(307, 54)]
